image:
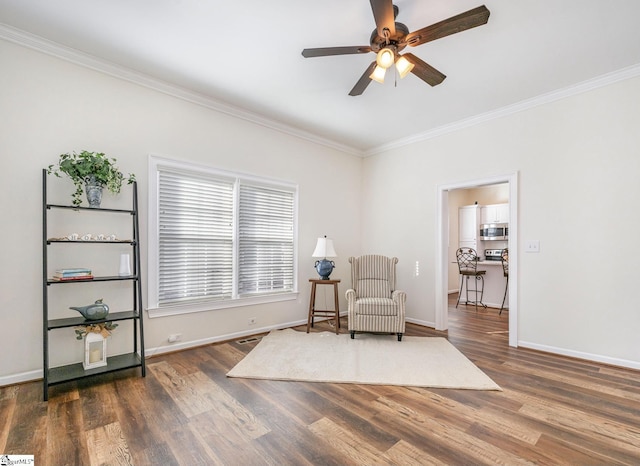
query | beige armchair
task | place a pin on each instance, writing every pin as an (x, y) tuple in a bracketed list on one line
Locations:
[(374, 305)]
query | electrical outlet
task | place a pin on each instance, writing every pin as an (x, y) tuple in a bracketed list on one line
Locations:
[(532, 246), (174, 337), (252, 320)]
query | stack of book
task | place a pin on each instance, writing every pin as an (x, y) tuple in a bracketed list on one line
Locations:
[(72, 274)]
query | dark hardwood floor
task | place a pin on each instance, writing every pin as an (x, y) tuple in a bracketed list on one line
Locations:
[(552, 410)]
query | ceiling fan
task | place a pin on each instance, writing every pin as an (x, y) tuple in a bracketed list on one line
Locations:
[(390, 38)]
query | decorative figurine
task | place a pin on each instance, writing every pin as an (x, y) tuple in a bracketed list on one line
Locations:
[(95, 311)]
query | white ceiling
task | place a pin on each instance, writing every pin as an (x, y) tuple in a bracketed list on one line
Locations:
[(247, 54)]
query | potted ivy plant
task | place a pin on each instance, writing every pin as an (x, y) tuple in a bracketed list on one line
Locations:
[(91, 171)]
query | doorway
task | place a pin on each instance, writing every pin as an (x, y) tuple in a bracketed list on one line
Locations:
[(442, 266)]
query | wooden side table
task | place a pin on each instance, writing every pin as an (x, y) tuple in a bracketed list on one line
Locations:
[(335, 312)]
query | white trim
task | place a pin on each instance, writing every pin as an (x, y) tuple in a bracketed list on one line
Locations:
[(150, 352), (442, 240), (21, 377), (77, 57), (585, 86), (97, 64), (424, 323), (223, 304), (581, 355)]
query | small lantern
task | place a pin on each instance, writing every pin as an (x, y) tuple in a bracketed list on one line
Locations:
[(95, 351)]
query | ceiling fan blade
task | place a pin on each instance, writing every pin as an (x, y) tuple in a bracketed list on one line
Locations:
[(467, 20), (384, 15), (327, 51), (424, 71), (364, 81)]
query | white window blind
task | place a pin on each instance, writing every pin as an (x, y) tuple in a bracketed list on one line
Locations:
[(195, 238), (265, 237), (218, 239)]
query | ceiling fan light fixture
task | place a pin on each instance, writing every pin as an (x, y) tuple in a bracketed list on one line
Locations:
[(386, 57), (378, 74), (403, 66)]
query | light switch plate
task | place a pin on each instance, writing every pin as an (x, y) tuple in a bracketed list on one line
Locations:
[(532, 245)]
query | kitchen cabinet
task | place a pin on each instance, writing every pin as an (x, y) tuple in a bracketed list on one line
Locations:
[(495, 213), (468, 225)]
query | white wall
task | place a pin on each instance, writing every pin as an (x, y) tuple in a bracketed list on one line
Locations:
[(50, 106), (578, 166)]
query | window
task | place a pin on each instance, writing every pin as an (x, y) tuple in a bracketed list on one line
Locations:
[(218, 239)]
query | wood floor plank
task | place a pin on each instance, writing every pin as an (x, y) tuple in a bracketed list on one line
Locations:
[(491, 419), (228, 444), (66, 446), (28, 425), (613, 433), (402, 453), (557, 450), (107, 445), (354, 448), (196, 394), (478, 451), (600, 387), (189, 448), (273, 401), (98, 405), (7, 408), (183, 393)]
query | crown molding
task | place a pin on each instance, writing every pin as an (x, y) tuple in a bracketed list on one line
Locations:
[(77, 57), (585, 86), (88, 61)]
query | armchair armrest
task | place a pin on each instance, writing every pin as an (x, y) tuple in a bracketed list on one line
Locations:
[(399, 296), (351, 302)]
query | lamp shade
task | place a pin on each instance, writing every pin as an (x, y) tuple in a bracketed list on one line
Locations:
[(403, 66), (324, 248), (378, 74), (385, 58)]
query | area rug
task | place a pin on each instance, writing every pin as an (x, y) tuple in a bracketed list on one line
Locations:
[(367, 359)]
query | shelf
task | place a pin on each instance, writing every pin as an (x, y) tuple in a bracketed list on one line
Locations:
[(112, 278), (97, 241), (75, 321), (76, 371), (93, 209), (136, 358)]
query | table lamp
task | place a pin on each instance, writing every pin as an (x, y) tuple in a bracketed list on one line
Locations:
[(324, 249)]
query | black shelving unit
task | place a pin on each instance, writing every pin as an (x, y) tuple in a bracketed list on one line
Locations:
[(67, 373)]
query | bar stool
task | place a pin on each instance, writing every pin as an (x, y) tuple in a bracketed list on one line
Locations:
[(505, 270), (467, 259)]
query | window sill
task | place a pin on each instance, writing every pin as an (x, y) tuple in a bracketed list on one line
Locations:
[(215, 305)]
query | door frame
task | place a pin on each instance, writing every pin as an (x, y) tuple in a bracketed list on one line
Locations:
[(442, 247)]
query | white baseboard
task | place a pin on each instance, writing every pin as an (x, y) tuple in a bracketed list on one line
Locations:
[(22, 377), (581, 355), (424, 323), (31, 376), (149, 352)]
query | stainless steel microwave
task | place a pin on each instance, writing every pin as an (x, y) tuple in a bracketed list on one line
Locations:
[(494, 231)]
